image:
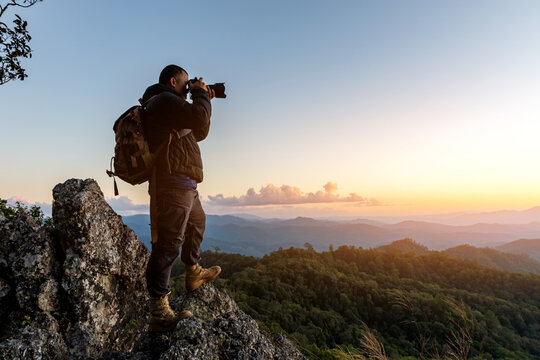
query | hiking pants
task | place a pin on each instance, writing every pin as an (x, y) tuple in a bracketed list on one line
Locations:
[(181, 222)]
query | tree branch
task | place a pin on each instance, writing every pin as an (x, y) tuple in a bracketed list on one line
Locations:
[(25, 4), (14, 43)]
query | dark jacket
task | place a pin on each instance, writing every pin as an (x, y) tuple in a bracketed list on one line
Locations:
[(167, 112)]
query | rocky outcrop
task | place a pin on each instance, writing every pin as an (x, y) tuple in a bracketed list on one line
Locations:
[(217, 330), (77, 291), (220, 330), (103, 269)]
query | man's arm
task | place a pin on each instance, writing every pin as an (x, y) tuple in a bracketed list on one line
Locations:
[(201, 133), (196, 115), (195, 88), (177, 113)]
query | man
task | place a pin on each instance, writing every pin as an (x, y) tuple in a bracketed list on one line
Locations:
[(173, 127)]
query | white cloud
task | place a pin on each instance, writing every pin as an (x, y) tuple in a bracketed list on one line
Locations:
[(124, 206), (287, 194)]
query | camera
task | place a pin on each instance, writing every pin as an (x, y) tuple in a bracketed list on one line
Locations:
[(219, 88)]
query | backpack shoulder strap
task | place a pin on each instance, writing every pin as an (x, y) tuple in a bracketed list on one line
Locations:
[(143, 103)]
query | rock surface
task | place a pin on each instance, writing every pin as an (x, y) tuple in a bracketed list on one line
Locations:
[(77, 291), (220, 330), (71, 291), (103, 269)]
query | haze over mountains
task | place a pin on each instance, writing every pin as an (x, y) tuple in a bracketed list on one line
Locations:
[(515, 217), (257, 236)]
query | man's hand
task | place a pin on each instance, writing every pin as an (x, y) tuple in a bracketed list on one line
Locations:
[(211, 92), (200, 83)]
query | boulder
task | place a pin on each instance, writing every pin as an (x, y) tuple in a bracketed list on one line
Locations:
[(103, 269), (79, 286)]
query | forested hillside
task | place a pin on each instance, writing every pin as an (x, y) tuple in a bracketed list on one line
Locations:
[(421, 306), (405, 245), (521, 263), (530, 247)]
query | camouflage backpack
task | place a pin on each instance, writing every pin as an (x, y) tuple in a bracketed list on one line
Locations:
[(132, 158)]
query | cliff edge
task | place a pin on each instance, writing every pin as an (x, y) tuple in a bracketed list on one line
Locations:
[(77, 291)]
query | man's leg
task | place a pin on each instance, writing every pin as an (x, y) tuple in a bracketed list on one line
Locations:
[(194, 233), (173, 209), (195, 275)]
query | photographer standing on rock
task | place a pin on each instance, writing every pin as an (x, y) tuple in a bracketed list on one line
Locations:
[(173, 126)]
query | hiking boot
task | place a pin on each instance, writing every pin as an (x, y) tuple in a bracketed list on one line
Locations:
[(163, 318), (196, 275)]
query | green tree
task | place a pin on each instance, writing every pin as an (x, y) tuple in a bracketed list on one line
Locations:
[(309, 247), (14, 42), (11, 212)]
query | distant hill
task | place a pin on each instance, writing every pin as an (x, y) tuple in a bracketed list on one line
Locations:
[(406, 245), (530, 247), (514, 217), (493, 258), (440, 236), (140, 224), (300, 221), (255, 237), (501, 216)]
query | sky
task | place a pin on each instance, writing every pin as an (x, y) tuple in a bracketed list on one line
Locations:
[(345, 108)]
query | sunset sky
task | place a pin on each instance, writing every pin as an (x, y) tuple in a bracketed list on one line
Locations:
[(344, 108)]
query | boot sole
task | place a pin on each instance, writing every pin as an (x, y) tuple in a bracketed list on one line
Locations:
[(159, 328)]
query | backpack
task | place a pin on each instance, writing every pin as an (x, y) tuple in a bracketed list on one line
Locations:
[(132, 158), (133, 162)]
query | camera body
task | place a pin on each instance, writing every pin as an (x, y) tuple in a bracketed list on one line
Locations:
[(219, 88)]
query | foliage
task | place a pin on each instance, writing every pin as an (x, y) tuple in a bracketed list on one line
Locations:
[(406, 245), (339, 304), (490, 257), (27, 321), (131, 325), (14, 43), (35, 212)]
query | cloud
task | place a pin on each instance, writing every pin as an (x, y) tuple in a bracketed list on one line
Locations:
[(21, 199), (124, 206), (287, 194), (330, 187)]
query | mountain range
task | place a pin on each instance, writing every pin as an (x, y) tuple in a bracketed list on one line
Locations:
[(515, 217), (257, 237)]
